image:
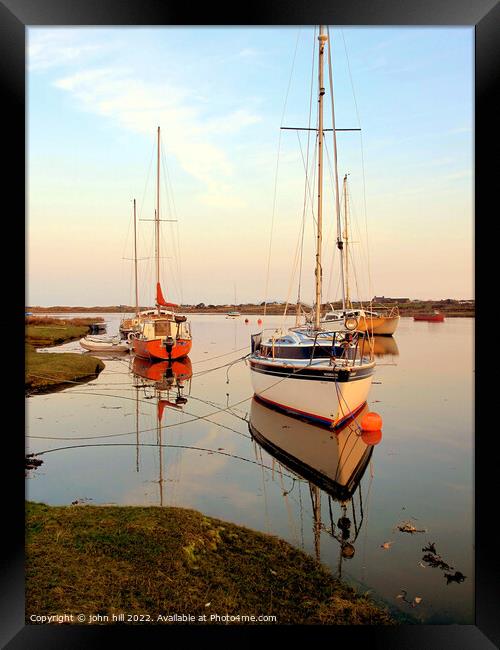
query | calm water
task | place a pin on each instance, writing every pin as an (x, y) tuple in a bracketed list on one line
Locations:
[(103, 441)]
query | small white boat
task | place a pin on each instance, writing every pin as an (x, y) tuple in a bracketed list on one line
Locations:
[(105, 344)]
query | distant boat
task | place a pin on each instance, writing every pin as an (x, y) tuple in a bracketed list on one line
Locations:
[(382, 322), (235, 313), (435, 317)]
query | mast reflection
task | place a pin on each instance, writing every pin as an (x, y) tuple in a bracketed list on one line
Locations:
[(169, 381), (332, 462)]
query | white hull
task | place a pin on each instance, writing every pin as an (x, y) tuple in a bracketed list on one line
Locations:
[(94, 345), (327, 401), (387, 327)]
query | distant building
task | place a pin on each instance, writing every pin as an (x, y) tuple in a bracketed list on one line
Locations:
[(383, 299)]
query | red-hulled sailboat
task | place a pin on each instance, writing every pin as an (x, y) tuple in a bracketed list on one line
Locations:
[(161, 334)]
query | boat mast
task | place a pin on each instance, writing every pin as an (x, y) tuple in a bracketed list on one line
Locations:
[(157, 216), (135, 263), (340, 243), (322, 41), (346, 254)]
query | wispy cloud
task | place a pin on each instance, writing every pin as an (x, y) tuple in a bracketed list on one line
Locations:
[(188, 133), (56, 48), (247, 53), (460, 129)]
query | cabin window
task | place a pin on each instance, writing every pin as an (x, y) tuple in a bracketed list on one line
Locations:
[(162, 328)]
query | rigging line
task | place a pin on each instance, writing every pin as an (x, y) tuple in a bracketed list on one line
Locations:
[(146, 444), (292, 278), (332, 259), (335, 158), (141, 207), (307, 167), (276, 177), (291, 522), (205, 372), (167, 183), (307, 187), (367, 501), (141, 431), (123, 259), (370, 289), (123, 397)]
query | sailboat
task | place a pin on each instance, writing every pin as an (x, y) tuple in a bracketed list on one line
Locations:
[(312, 370), (333, 465), (161, 333), (381, 322), (235, 313), (129, 326)]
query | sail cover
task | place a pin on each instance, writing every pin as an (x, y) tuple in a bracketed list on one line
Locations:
[(160, 300)]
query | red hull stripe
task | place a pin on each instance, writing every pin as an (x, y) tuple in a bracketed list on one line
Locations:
[(311, 416)]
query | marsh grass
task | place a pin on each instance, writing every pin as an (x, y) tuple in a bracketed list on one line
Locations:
[(54, 370), (109, 560)]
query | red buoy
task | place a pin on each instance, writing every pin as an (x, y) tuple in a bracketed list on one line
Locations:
[(371, 422), (246, 320), (371, 437), (259, 321)]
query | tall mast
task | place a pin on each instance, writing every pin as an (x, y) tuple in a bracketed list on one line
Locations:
[(157, 216), (340, 244), (322, 41), (346, 253), (135, 263)]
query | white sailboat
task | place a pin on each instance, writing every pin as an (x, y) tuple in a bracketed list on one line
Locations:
[(315, 371), (235, 313), (381, 322)]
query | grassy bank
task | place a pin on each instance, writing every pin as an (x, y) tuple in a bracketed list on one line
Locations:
[(44, 336), (149, 561), (52, 371)]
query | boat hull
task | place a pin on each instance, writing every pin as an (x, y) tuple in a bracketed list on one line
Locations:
[(379, 326), (320, 395), (433, 318), (98, 346), (155, 349)]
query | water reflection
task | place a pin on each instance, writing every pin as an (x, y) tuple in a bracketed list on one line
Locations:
[(385, 346), (333, 464), (167, 382)]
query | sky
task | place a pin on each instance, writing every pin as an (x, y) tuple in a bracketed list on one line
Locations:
[(234, 184)]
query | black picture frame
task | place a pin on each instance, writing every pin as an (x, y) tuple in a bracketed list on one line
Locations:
[(15, 16)]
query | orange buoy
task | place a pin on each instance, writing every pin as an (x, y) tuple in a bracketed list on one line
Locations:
[(371, 437), (371, 421)]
